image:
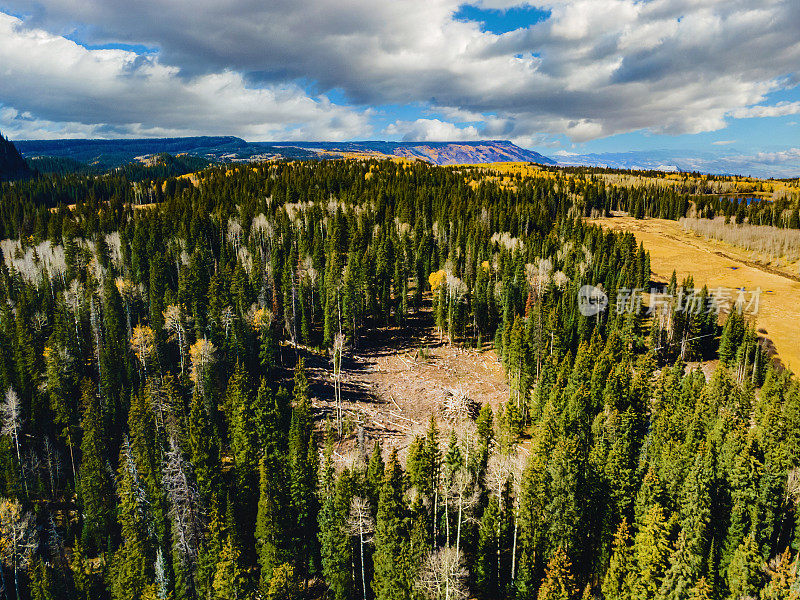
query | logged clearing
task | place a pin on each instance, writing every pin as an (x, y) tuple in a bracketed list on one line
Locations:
[(397, 377), (718, 264)]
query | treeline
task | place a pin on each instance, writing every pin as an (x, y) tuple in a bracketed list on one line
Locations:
[(781, 213), (158, 437), (768, 241)]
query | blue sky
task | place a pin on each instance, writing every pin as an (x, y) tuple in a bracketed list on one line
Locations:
[(496, 20), (563, 77)]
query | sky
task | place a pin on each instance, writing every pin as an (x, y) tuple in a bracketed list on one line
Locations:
[(716, 79)]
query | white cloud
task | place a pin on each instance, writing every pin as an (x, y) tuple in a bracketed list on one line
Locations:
[(763, 164), (724, 142), (781, 109), (790, 155), (458, 115), (431, 130), (113, 93), (594, 68)]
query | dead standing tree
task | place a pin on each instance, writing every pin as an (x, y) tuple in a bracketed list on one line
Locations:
[(11, 415), (443, 576), (175, 322), (74, 299), (361, 524), (143, 344), (464, 480), (202, 354), (498, 473), (17, 538), (517, 470), (184, 506), (338, 348)]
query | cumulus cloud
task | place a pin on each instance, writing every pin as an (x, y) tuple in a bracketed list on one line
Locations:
[(781, 109), (112, 93), (594, 68), (790, 155), (431, 130), (784, 163)]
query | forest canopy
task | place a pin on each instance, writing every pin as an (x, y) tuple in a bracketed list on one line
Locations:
[(160, 439)]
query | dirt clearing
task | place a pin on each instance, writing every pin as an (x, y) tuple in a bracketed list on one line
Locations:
[(397, 377)]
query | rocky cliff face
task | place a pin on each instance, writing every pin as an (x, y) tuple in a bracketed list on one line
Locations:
[(454, 153)]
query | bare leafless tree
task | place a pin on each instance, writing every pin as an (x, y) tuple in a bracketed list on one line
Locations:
[(143, 344), (11, 415), (184, 504), (361, 524), (498, 474), (94, 321), (17, 537), (202, 354), (234, 234), (338, 348), (443, 575), (53, 463), (175, 322), (226, 316), (31, 464), (793, 486), (74, 299), (517, 469), (773, 243), (262, 231)]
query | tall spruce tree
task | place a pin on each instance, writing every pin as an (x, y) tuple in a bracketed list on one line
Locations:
[(391, 580)]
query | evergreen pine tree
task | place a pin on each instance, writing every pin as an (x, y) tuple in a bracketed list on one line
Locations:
[(486, 575), (130, 572), (303, 477), (651, 551), (745, 574), (619, 577), (391, 579), (558, 583), (334, 536), (95, 484)]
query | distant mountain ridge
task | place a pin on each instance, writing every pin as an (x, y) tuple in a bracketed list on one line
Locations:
[(98, 156), (728, 161), (12, 165), (438, 153), (110, 154), (472, 152)]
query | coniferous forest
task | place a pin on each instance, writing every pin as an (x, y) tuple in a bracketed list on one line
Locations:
[(159, 438)]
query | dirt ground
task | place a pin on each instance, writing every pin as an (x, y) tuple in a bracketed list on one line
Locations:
[(397, 377), (718, 264)]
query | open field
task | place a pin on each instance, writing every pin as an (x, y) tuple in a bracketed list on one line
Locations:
[(718, 264)]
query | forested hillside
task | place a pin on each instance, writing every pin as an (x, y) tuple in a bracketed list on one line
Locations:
[(159, 439), (12, 165)]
